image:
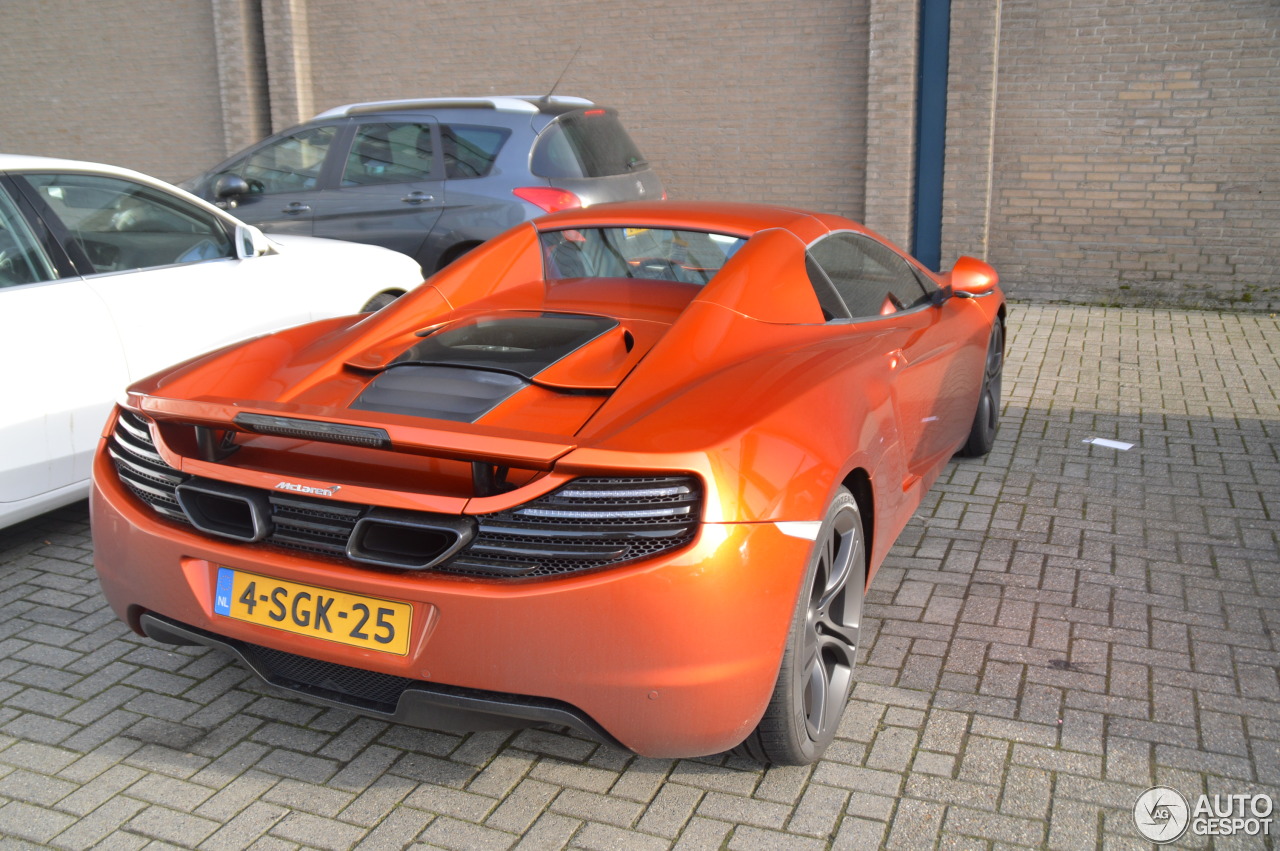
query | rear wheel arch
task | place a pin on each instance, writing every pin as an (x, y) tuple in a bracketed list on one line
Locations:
[(811, 691), (986, 420), (858, 483)]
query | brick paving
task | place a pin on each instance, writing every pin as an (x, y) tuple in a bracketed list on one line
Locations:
[(1061, 626)]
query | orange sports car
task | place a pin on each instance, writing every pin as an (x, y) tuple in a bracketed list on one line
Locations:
[(627, 469)]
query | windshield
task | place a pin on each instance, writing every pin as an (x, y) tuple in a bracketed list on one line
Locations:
[(691, 257)]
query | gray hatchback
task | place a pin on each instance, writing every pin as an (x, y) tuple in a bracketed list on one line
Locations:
[(432, 178)]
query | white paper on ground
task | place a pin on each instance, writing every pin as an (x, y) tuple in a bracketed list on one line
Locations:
[(1110, 444)]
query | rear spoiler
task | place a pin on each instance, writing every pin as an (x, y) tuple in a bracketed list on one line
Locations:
[(485, 447)]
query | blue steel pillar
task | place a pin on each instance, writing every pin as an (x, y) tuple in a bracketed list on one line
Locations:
[(931, 130)]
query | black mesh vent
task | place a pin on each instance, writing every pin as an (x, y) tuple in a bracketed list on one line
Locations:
[(370, 689), (587, 523), (317, 525), (141, 468), (614, 502)]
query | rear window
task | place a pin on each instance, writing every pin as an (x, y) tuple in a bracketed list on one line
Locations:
[(470, 151), (690, 257), (587, 143)]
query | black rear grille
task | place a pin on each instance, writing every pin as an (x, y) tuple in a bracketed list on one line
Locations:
[(317, 525), (587, 523), (141, 468)]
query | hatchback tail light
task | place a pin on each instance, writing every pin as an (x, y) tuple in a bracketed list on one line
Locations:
[(548, 198)]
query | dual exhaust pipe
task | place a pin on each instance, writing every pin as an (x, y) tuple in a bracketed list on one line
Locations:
[(382, 537)]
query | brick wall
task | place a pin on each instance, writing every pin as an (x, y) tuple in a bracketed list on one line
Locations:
[(1137, 158), (752, 100), (242, 73), (289, 69), (1116, 151), (971, 117), (128, 82), (892, 67)]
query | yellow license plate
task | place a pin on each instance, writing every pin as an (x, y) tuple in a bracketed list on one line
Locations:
[(352, 619)]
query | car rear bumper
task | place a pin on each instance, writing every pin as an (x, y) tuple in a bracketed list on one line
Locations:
[(673, 656), (385, 696)]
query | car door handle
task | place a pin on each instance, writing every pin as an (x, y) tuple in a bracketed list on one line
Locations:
[(898, 358), (295, 208), (417, 198)]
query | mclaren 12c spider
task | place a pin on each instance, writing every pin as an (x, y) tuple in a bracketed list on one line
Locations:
[(626, 469)]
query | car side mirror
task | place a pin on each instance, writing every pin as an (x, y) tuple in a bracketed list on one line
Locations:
[(229, 186), (251, 242), (970, 277)]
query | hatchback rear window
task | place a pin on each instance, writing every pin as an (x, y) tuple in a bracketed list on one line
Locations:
[(587, 143)]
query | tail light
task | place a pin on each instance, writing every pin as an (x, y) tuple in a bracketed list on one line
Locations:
[(548, 198)]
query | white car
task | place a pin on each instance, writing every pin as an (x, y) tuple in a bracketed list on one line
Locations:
[(107, 275)]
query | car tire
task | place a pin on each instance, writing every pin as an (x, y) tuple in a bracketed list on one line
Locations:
[(378, 302), (816, 673), (986, 421)]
